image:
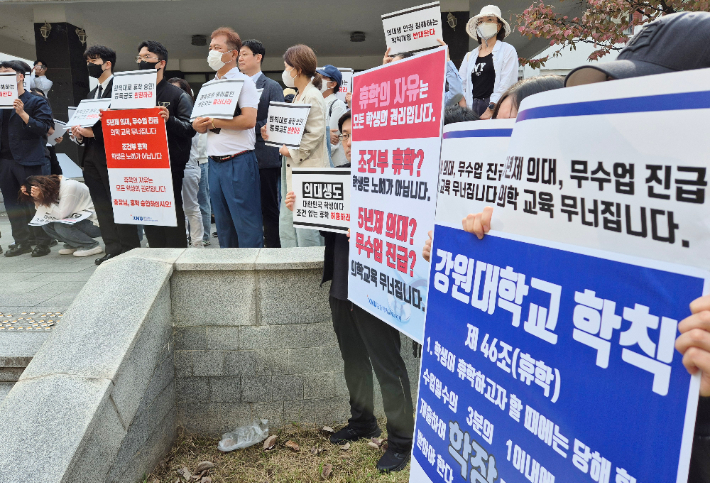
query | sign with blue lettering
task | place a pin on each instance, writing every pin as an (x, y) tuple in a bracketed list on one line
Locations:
[(530, 351)]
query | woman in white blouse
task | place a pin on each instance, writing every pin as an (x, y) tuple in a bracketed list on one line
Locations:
[(491, 68), (59, 202)]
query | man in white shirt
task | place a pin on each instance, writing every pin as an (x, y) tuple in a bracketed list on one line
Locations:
[(38, 78), (335, 108), (234, 181)]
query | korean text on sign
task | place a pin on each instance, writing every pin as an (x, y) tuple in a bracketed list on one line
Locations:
[(217, 99), (397, 119), (322, 199), (139, 167), (413, 29)]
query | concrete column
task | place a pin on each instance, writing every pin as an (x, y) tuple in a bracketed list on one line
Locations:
[(63, 52)]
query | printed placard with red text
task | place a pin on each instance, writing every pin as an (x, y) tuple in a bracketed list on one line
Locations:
[(397, 125), (139, 167)]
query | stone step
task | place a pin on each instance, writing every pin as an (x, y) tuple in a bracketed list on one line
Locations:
[(16, 351)]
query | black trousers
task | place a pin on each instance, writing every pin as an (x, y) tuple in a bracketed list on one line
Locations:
[(270, 178), (170, 236), (367, 343), (12, 176), (118, 238)]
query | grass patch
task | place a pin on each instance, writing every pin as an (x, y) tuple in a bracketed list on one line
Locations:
[(280, 465)]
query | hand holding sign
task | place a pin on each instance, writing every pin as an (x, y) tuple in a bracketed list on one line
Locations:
[(285, 125)]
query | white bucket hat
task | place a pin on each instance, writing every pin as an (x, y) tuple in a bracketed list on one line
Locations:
[(485, 12)]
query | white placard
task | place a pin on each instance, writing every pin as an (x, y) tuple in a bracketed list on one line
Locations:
[(591, 166), (134, 89), (413, 29), (88, 112), (472, 157), (285, 123), (45, 219), (59, 129), (8, 89), (217, 99), (70, 112), (69, 168), (322, 199), (347, 85)]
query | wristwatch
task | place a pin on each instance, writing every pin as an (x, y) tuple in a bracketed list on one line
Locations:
[(492, 106)]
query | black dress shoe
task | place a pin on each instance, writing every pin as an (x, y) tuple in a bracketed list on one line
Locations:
[(392, 461), (348, 434), (53, 243), (41, 250), (108, 256), (16, 250)]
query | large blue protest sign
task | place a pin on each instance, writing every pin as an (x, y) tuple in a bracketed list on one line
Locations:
[(544, 362)]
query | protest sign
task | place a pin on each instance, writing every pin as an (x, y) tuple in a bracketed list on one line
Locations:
[(322, 199), (472, 159), (217, 99), (549, 345), (8, 89), (41, 219), (134, 89), (60, 129), (347, 85), (285, 123), (88, 112), (396, 144), (413, 29), (139, 167)]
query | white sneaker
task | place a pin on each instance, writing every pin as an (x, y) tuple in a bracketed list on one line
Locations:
[(67, 251), (90, 251)]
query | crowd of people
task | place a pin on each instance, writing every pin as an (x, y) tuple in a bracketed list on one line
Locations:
[(223, 168)]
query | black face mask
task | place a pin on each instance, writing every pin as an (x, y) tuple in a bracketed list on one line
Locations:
[(147, 65), (95, 70)]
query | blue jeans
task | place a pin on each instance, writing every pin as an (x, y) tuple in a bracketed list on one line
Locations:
[(203, 199), (79, 235), (235, 192)]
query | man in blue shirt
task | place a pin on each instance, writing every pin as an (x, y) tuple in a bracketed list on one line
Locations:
[(22, 139)]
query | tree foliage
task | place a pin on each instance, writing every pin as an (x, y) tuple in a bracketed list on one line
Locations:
[(603, 23)]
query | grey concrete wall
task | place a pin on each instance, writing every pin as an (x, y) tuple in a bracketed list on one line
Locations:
[(254, 339), (204, 339), (97, 401)]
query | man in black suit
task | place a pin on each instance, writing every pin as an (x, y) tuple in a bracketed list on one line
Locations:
[(23, 131), (118, 238), (251, 55)]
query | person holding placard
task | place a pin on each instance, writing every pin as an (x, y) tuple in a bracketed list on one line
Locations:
[(175, 107), (234, 180), (366, 344), (300, 64), (491, 68), (251, 56), (23, 130), (118, 238), (58, 198)]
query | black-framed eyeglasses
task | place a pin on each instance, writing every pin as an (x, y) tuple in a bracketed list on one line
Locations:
[(344, 137)]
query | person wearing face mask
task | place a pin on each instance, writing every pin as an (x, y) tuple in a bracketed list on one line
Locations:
[(300, 65), (118, 238), (23, 130), (175, 107), (491, 68), (335, 108), (234, 181), (251, 56)]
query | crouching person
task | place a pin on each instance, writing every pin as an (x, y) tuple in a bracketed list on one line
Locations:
[(58, 198)]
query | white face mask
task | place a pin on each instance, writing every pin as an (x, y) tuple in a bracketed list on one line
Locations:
[(287, 79), (487, 30), (214, 59), (324, 87)]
